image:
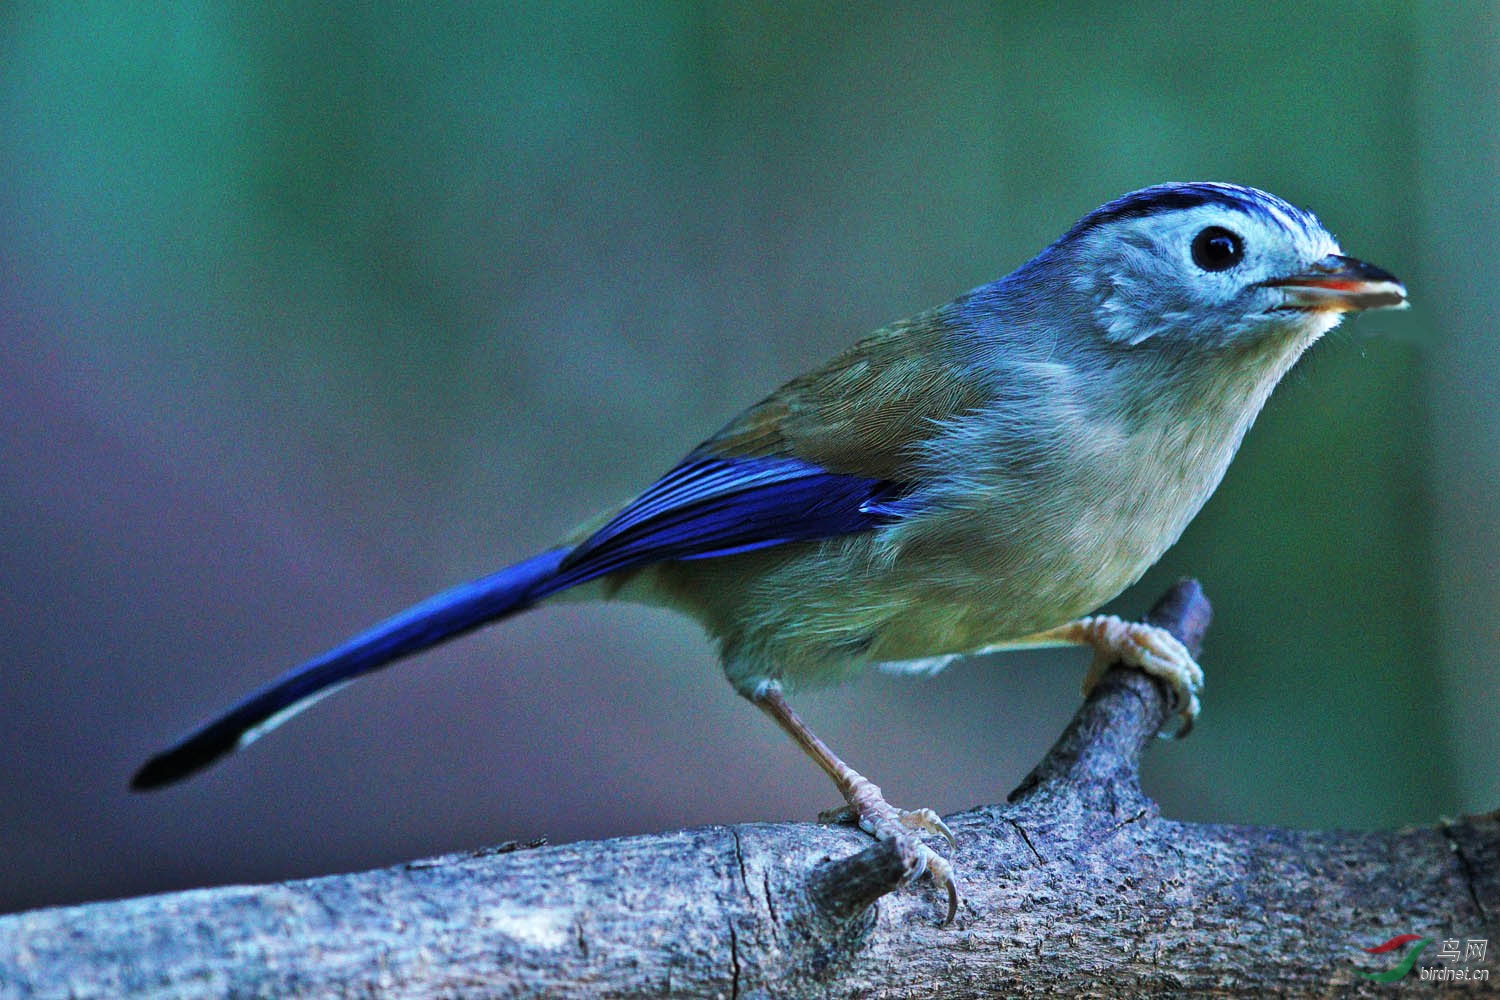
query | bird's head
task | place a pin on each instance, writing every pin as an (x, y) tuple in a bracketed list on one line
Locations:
[(1211, 264)]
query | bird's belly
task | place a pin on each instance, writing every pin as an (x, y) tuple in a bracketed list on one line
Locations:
[(812, 614), (984, 594)]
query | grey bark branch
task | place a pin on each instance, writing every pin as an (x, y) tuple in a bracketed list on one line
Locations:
[(1077, 885)]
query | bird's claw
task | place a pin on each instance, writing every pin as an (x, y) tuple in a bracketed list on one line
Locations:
[(928, 821), (1151, 649), (935, 865), (885, 822), (922, 820)]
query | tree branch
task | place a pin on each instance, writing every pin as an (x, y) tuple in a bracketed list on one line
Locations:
[(1076, 885)]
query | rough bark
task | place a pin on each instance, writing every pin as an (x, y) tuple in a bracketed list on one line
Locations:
[(1076, 886)]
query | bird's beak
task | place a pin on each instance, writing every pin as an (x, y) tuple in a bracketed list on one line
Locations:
[(1341, 284)]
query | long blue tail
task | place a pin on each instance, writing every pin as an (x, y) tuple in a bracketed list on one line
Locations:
[(451, 613)]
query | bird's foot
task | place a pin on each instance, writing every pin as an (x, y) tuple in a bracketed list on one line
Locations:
[(873, 814), (1149, 648), (866, 806)]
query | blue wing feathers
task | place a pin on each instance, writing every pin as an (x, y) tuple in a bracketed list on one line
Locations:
[(709, 506)]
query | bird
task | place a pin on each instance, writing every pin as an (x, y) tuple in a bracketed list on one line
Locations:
[(979, 477)]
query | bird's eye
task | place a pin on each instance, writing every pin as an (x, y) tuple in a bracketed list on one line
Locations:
[(1217, 249)]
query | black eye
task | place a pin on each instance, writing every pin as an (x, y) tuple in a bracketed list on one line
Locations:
[(1217, 249)]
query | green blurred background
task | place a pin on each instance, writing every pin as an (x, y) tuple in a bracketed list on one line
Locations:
[(306, 313)]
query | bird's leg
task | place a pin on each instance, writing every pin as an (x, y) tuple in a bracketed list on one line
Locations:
[(874, 814), (1136, 644)]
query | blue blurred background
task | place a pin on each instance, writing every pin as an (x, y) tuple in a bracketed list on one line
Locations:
[(306, 313)]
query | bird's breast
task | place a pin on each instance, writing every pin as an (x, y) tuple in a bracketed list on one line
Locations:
[(1016, 547)]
